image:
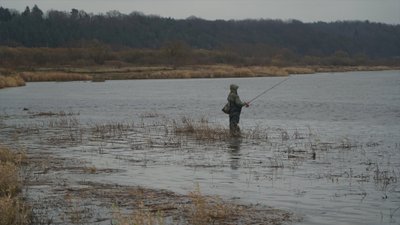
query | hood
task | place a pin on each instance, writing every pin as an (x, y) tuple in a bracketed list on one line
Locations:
[(234, 87)]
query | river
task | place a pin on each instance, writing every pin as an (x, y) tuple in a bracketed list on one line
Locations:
[(328, 149)]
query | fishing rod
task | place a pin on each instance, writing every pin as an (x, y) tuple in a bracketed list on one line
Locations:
[(268, 90)]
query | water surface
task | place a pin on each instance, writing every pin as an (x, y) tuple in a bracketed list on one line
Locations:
[(351, 121)]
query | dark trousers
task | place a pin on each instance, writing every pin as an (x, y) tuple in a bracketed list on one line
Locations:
[(234, 124)]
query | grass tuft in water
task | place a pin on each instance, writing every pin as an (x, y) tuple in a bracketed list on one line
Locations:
[(209, 210), (142, 215), (200, 130)]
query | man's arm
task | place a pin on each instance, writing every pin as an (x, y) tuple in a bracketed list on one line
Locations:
[(240, 103)]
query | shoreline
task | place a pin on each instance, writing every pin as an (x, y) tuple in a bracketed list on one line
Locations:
[(103, 73)]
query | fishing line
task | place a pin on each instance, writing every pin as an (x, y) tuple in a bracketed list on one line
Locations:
[(268, 89)]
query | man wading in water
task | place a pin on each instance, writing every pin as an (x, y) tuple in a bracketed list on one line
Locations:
[(235, 109)]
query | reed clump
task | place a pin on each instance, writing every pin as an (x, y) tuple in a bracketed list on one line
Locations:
[(13, 211), (11, 81)]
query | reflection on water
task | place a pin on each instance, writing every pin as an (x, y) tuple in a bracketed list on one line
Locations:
[(234, 152), (325, 146)]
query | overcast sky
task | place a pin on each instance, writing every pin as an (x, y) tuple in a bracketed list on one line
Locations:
[(385, 11)]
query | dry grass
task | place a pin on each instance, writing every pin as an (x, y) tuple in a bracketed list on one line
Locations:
[(143, 215), (206, 210), (199, 210), (200, 130), (218, 71), (109, 72), (9, 180), (53, 76), (11, 81), (12, 210), (6, 155), (299, 70)]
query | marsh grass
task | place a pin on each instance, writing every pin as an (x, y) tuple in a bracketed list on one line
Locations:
[(111, 129), (17, 158), (222, 71), (384, 178), (12, 210), (11, 81), (206, 210), (200, 130), (116, 73), (199, 209), (142, 215), (76, 212), (10, 161), (64, 121), (116, 70), (53, 76), (9, 179)]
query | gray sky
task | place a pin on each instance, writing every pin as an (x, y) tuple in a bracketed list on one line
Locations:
[(385, 11)]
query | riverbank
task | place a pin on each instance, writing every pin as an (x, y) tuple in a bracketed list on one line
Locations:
[(102, 73)]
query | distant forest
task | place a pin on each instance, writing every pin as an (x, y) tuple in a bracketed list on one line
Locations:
[(267, 39)]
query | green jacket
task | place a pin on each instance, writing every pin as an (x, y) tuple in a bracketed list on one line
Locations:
[(234, 100)]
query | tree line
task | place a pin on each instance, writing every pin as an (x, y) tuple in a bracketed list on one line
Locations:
[(259, 41)]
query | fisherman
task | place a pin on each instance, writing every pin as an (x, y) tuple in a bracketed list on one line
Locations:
[(235, 109)]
